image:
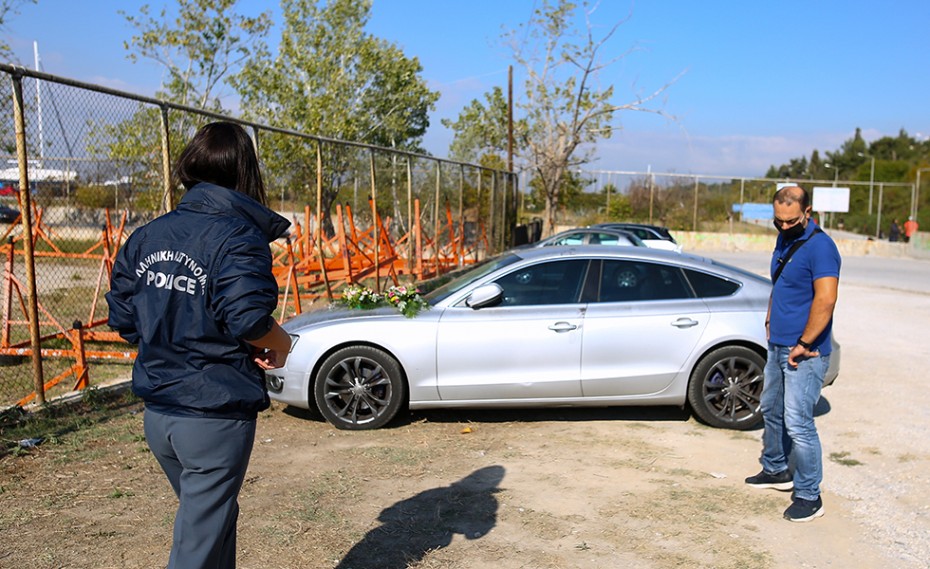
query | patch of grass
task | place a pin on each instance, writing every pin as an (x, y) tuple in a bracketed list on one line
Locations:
[(741, 436), (685, 473), (118, 493), (70, 425), (322, 500), (667, 515), (544, 524), (908, 457), (843, 458)]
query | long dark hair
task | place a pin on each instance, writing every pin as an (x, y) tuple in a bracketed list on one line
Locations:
[(222, 153)]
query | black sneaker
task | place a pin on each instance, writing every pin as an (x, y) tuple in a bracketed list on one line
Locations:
[(781, 481), (802, 510)]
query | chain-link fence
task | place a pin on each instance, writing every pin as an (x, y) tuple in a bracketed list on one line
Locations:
[(703, 202), (85, 165)]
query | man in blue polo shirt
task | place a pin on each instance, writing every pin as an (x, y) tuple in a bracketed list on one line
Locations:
[(805, 275)]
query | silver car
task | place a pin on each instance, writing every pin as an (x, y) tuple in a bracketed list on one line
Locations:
[(592, 236), (545, 327)]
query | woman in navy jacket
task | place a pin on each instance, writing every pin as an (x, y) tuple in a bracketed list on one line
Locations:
[(194, 289)]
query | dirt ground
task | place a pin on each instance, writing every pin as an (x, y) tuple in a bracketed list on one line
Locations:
[(623, 487)]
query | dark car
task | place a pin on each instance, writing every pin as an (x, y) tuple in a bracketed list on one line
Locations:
[(8, 214)]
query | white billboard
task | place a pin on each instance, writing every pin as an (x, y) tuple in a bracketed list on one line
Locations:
[(827, 198)]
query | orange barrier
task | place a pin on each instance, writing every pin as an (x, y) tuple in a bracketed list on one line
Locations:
[(306, 266), (104, 249)]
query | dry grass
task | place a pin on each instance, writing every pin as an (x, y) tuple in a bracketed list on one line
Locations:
[(548, 491)]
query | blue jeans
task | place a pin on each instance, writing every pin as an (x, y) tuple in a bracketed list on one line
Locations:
[(788, 399)]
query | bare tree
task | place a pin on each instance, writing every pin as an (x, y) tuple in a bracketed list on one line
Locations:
[(565, 110)]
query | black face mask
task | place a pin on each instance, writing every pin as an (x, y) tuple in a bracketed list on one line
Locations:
[(791, 233)]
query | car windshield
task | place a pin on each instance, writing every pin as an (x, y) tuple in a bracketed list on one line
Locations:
[(451, 283)]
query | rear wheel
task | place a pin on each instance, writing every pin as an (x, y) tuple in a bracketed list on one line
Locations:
[(726, 388), (359, 388)]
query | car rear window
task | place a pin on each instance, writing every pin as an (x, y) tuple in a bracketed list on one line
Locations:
[(709, 286)]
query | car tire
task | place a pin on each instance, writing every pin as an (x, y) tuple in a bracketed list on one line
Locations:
[(359, 388), (726, 387)]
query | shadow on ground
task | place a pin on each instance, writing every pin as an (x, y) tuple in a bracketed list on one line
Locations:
[(411, 528), (561, 414)]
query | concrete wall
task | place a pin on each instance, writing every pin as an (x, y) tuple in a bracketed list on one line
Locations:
[(848, 245)]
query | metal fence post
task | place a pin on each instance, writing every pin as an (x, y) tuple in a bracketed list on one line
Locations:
[(491, 222), (30, 260), (166, 161), (436, 216), (410, 224), (375, 225), (651, 196), (319, 220), (878, 220), (694, 214), (461, 248)]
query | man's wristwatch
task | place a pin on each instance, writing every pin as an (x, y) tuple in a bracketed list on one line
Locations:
[(806, 345)]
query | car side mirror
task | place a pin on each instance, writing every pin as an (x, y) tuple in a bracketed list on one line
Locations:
[(484, 296)]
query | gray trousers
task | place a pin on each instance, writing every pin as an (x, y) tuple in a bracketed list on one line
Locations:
[(205, 461)]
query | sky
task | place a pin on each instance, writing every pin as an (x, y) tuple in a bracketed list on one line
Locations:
[(748, 84)]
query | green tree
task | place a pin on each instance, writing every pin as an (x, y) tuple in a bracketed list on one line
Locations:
[(8, 9), (200, 47), (332, 79), (481, 128)]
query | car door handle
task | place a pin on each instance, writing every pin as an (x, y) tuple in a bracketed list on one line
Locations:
[(684, 323), (562, 327)]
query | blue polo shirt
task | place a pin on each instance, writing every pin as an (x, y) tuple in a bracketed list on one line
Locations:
[(793, 293)]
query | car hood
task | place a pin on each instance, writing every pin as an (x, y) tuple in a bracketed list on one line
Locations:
[(336, 313)]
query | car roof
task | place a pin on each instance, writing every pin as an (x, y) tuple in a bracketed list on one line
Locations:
[(629, 224), (595, 229), (628, 235), (658, 230), (684, 260)]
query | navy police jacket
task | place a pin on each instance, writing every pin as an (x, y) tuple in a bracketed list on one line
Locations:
[(190, 288)]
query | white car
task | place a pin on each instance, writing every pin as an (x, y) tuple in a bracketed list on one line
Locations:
[(653, 236)]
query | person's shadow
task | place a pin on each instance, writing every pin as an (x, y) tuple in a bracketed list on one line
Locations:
[(427, 521)]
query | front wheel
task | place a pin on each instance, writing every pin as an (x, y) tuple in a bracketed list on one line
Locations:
[(359, 388), (726, 388)]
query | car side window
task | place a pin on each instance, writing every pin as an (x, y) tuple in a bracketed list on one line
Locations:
[(641, 233), (606, 239), (573, 239), (710, 286), (554, 282), (624, 281)]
